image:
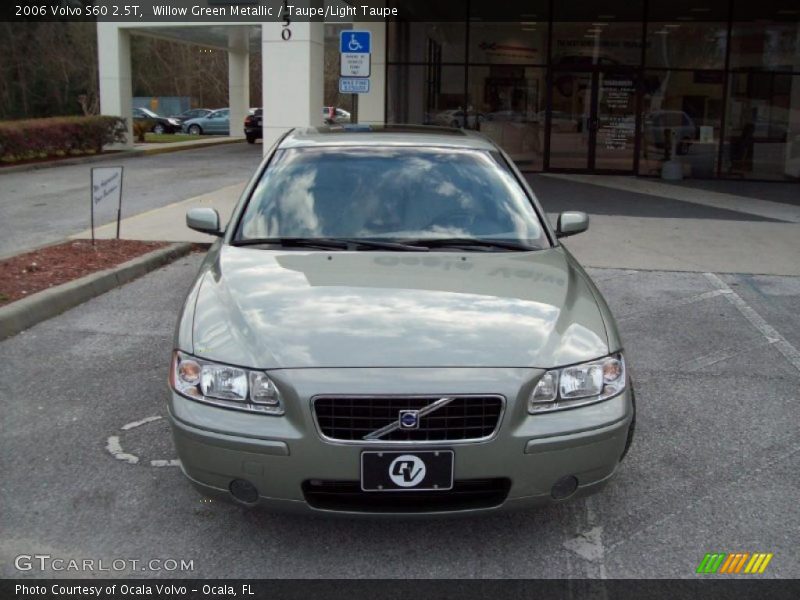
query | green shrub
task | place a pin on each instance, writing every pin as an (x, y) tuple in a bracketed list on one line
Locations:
[(58, 136)]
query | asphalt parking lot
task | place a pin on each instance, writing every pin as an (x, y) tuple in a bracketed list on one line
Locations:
[(713, 466), (46, 205)]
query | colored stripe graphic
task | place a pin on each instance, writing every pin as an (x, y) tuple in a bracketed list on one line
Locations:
[(723, 563), (711, 562)]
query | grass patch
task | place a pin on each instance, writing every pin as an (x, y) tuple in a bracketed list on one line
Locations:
[(161, 138)]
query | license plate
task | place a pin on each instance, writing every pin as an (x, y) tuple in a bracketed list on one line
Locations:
[(407, 471)]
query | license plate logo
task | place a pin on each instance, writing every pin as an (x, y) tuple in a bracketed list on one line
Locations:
[(407, 470)]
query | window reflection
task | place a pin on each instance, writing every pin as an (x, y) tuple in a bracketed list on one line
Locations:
[(426, 95), (683, 108), (763, 126), (510, 103)]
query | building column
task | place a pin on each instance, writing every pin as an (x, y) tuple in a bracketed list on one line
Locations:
[(372, 106), (114, 65), (238, 77), (293, 77)]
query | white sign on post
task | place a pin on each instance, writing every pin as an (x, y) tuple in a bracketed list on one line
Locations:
[(107, 190), (355, 49)]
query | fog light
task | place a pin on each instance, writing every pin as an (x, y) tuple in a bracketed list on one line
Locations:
[(244, 491), (564, 487)]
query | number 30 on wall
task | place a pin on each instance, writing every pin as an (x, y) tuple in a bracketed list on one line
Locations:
[(286, 32)]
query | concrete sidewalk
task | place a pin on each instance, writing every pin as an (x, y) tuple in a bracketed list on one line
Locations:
[(752, 236)]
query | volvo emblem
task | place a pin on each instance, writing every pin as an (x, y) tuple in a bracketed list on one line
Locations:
[(409, 419)]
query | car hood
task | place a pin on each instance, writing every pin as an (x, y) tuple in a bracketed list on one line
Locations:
[(294, 309)]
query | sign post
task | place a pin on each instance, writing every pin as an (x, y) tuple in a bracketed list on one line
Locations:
[(106, 185), (355, 48)]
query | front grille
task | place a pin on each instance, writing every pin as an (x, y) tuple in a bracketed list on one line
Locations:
[(464, 418), (467, 494)]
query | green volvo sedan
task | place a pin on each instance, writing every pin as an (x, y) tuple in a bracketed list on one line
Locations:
[(389, 325)]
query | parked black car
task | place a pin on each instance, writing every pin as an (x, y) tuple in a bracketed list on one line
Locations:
[(253, 126), (159, 124), (192, 113)]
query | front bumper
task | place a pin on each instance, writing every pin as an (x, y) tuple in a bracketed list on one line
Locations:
[(279, 455)]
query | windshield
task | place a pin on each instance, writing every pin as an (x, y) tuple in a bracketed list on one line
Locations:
[(390, 193)]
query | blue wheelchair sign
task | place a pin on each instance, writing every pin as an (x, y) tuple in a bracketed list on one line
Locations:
[(355, 42)]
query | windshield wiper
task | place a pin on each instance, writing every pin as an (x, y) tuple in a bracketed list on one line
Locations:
[(474, 243), (330, 244), (287, 242)]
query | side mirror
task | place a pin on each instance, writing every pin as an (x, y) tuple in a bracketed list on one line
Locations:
[(204, 220), (571, 222)]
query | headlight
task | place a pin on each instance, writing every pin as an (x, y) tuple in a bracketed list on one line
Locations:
[(223, 385), (173, 121), (579, 385)]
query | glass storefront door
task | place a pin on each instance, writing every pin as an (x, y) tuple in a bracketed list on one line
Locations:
[(592, 121)]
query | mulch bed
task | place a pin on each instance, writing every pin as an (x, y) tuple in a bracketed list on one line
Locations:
[(28, 273)]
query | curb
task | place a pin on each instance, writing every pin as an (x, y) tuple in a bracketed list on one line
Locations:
[(27, 312), (116, 155)]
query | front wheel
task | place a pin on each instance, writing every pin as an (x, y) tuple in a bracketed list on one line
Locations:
[(251, 139), (195, 130), (159, 129)]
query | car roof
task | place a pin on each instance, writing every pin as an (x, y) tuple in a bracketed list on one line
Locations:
[(386, 135)]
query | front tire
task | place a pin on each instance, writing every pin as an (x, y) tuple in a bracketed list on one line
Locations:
[(251, 139), (195, 130), (159, 129)]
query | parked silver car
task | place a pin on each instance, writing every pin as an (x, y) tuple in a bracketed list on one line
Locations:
[(389, 324)]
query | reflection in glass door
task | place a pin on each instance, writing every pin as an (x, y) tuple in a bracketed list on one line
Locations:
[(593, 121), (570, 118)]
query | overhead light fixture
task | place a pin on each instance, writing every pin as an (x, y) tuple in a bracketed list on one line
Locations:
[(599, 24), (528, 22), (671, 25), (594, 31), (661, 32)]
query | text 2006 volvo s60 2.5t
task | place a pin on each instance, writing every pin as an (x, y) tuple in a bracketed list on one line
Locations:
[(389, 324)]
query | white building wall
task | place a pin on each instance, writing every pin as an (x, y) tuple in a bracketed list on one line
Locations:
[(238, 77), (293, 78), (114, 62)]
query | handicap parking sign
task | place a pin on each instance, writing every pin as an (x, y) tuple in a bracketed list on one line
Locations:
[(355, 42)]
